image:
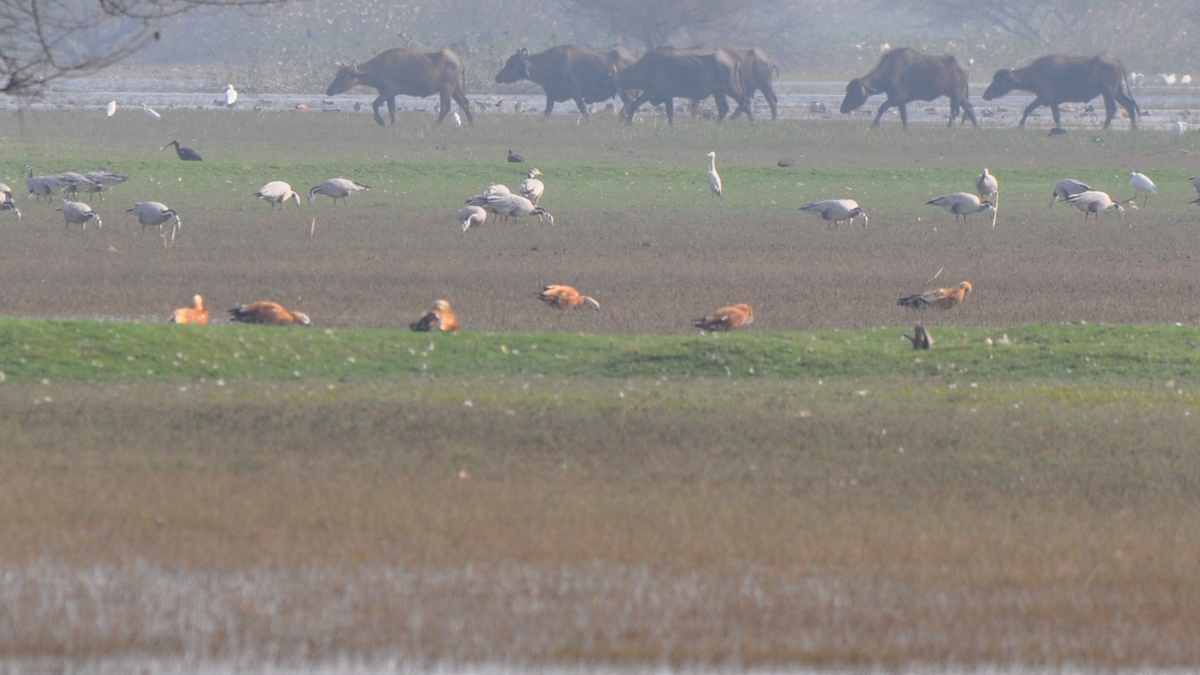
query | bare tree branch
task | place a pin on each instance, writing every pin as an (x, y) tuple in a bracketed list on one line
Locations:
[(43, 40), (655, 22)]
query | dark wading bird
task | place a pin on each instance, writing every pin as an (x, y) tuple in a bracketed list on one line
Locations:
[(186, 154)]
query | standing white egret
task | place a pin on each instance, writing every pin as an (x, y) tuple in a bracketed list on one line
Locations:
[(1094, 201), (1067, 187), (155, 213), (230, 96), (714, 178), (1167, 80), (111, 108), (337, 188), (989, 188), (1186, 79), (1178, 128), (78, 212), (531, 188), (150, 112), (471, 216), (962, 204), (1142, 184), (457, 120), (277, 192), (837, 210)]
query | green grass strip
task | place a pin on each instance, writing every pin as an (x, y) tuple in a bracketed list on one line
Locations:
[(92, 351)]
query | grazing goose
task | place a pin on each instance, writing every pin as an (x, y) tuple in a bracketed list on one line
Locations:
[(531, 188), (337, 188), (837, 210), (509, 205), (268, 313), (566, 297), (277, 192), (78, 212), (155, 213), (186, 154), (100, 181), (196, 314), (74, 181), (962, 204), (1068, 187), (42, 186), (1094, 201), (471, 216), (1142, 185), (727, 318), (440, 318), (6, 200), (942, 298), (714, 178)]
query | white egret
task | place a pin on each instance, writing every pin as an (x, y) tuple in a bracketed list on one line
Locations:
[(231, 96), (1142, 185), (150, 112), (457, 120), (1178, 128), (111, 108), (714, 178)]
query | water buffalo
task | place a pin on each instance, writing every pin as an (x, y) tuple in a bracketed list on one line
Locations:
[(1059, 79), (907, 75), (570, 73), (405, 72), (665, 73), (758, 72)]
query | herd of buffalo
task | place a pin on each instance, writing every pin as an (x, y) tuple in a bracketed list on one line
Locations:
[(586, 76)]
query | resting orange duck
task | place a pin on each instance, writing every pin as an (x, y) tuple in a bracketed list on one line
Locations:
[(268, 313), (726, 318), (942, 298), (195, 314), (566, 297), (441, 317)]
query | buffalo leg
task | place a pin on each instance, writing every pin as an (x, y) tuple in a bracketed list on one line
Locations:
[(772, 100), (722, 107), (882, 109), (375, 106), (550, 106), (1056, 115), (1130, 106), (744, 106), (1037, 103), (968, 111), (392, 108), (670, 110), (904, 115), (633, 106), (461, 99), (443, 106)]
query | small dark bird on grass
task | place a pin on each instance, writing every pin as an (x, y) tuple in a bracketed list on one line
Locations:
[(186, 154), (921, 339), (787, 163), (514, 157)]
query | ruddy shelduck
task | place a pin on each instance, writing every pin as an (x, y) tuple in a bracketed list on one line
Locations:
[(942, 298), (440, 318), (269, 314), (197, 313), (566, 297), (727, 318)]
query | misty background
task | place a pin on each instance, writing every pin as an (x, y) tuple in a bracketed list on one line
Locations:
[(295, 46)]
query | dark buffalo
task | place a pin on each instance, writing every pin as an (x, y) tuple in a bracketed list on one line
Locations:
[(570, 73), (405, 72), (758, 72), (666, 73), (908, 75), (1059, 79)]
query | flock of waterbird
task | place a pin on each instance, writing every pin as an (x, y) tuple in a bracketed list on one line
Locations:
[(500, 202)]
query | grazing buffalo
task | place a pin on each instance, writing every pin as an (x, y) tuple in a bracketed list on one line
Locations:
[(665, 73), (907, 75), (570, 73), (758, 72), (405, 72), (1059, 79)]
